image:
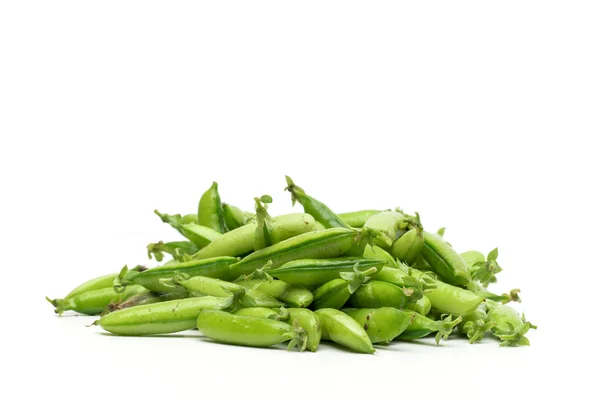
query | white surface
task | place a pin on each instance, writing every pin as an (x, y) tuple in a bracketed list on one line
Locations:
[(481, 117)]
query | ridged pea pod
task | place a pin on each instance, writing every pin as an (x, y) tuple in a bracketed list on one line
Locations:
[(381, 324), (446, 262), (210, 209), (344, 330)]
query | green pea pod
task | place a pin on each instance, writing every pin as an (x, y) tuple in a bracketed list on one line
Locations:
[(313, 273), (381, 324), (210, 209), (335, 293), (176, 249), (357, 219), (143, 298), (314, 207), (482, 270), (101, 282), (263, 234), (375, 294), (472, 257), (378, 252), (343, 330), (190, 219), (422, 306), (159, 279), (445, 261), (249, 331), (503, 298), (323, 244), (510, 327), (200, 235), (308, 321), (388, 223), (409, 246), (423, 326), (475, 324), (233, 217), (240, 241), (93, 302), (161, 318), (291, 295), (262, 312)]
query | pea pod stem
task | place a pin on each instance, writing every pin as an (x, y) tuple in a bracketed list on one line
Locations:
[(264, 234)]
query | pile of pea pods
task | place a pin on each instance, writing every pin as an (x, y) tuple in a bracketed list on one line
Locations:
[(357, 279)]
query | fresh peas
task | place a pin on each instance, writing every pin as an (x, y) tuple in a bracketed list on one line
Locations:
[(388, 223), (176, 249), (160, 318), (409, 246), (343, 330), (357, 219), (233, 217), (263, 235), (240, 241), (475, 324), (308, 321), (335, 293), (482, 270), (291, 295), (445, 261), (422, 306), (262, 312), (423, 326), (249, 331), (378, 252), (313, 273), (375, 294), (200, 235), (158, 279), (143, 298), (101, 282), (323, 244), (314, 207), (210, 210), (190, 219), (381, 324), (93, 302), (509, 326)]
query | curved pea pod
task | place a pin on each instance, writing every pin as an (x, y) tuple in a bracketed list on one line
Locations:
[(422, 306), (323, 244), (308, 321), (510, 327), (335, 293), (388, 223), (210, 209), (408, 246), (190, 219), (177, 250), (143, 298), (240, 241), (343, 330), (200, 235), (475, 324), (159, 279), (423, 326), (249, 331), (375, 294), (445, 261), (481, 269), (93, 302), (357, 219), (292, 295), (381, 324), (233, 217), (313, 273), (262, 312), (263, 234), (314, 207), (378, 252), (503, 298), (101, 282), (160, 318)]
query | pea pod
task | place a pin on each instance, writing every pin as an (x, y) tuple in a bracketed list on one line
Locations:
[(233, 217), (93, 302), (389, 224), (190, 219), (381, 324), (160, 318), (240, 241), (143, 298), (409, 246), (375, 294), (294, 296), (357, 219), (481, 269), (423, 326), (200, 235), (158, 279), (262, 312), (475, 324), (176, 249), (313, 273), (378, 252), (509, 326), (249, 331), (101, 282), (310, 323), (422, 306), (314, 207), (445, 261), (335, 293), (263, 235), (323, 244), (210, 209), (343, 330)]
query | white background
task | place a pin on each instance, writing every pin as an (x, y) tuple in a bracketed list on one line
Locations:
[(482, 116)]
